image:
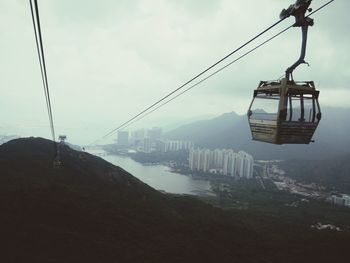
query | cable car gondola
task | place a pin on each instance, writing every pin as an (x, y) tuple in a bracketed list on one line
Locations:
[(287, 111)]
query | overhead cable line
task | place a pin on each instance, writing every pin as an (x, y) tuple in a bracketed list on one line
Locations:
[(219, 70), (39, 44), (194, 78), (145, 112), (209, 76), (39, 57)]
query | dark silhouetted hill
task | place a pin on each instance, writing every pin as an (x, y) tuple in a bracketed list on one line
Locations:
[(92, 211), (232, 131)]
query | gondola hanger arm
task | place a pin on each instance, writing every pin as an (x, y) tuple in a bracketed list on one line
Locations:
[(298, 10)]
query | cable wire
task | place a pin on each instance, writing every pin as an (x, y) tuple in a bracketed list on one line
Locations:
[(194, 78), (209, 76), (40, 50), (142, 114), (44, 69), (39, 57)]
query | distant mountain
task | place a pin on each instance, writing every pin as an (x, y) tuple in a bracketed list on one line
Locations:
[(92, 211), (204, 130), (232, 131)]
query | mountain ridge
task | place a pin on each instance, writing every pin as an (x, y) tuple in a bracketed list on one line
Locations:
[(232, 131), (92, 211)]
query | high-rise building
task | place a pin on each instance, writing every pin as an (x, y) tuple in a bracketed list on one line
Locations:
[(147, 146), (218, 158), (123, 138), (161, 146), (194, 159), (136, 137), (206, 160), (341, 199), (245, 165), (172, 145), (233, 164), (154, 134), (222, 161), (229, 163), (346, 200)]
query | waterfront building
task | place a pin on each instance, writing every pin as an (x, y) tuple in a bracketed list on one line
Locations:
[(154, 134), (123, 138), (245, 165), (147, 145), (230, 163), (218, 158), (171, 145), (222, 161), (205, 160), (346, 200), (194, 159), (340, 199), (137, 137), (161, 146)]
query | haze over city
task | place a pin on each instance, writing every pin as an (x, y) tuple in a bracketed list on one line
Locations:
[(108, 60)]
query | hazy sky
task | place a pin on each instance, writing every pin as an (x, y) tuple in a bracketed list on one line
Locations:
[(109, 59)]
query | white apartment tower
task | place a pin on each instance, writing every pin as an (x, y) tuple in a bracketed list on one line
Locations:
[(223, 161)]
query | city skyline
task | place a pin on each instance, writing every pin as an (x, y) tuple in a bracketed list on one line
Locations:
[(149, 140)]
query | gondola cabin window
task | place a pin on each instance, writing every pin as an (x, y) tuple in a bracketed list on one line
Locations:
[(302, 108), (265, 107)]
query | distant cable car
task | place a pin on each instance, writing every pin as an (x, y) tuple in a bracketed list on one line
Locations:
[(57, 163), (287, 111), (62, 139), (82, 157)]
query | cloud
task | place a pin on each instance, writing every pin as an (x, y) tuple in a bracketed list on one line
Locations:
[(107, 60)]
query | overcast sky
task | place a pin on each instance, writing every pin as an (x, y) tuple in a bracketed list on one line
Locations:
[(109, 59)]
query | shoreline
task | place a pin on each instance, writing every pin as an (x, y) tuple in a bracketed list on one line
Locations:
[(178, 168)]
